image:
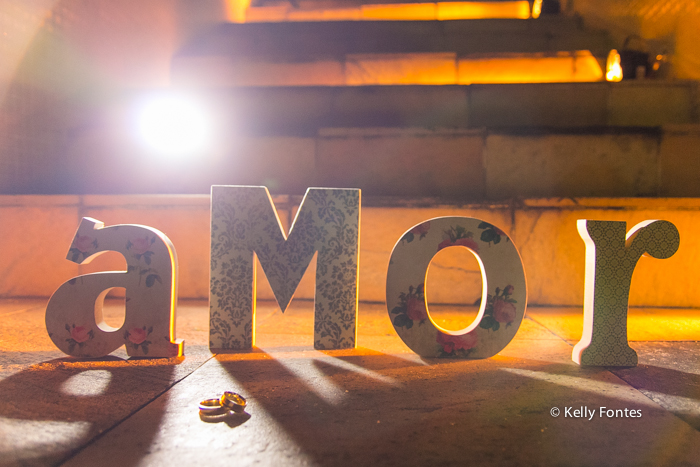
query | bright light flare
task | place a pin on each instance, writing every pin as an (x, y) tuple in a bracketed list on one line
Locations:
[(536, 9), (613, 70), (174, 125)]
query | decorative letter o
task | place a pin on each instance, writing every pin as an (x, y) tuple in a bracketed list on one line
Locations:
[(504, 296)]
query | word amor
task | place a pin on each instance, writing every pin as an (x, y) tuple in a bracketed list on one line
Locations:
[(245, 225)]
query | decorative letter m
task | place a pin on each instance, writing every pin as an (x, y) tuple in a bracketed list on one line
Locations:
[(243, 222)]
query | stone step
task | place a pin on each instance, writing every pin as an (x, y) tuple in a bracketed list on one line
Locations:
[(327, 4), (356, 53), (384, 11), (303, 111), (437, 68), (309, 41)]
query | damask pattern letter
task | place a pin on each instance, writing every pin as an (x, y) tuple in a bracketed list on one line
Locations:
[(243, 222), (74, 313), (610, 262)]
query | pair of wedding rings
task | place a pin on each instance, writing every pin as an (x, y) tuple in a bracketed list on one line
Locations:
[(226, 404)]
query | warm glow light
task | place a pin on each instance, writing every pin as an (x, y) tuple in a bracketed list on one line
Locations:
[(613, 70), (536, 8), (390, 69), (482, 10), (174, 125), (440, 68), (388, 12), (236, 10), (561, 67)]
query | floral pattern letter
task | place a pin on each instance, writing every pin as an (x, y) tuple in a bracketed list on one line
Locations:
[(503, 299), (610, 261), (243, 222), (74, 313)]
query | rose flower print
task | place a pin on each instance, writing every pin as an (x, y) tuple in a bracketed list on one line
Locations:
[(411, 308), (500, 309), (452, 346), (458, 236)]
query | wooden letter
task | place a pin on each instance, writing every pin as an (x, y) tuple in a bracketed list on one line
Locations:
[(504, 295), (74, 313), (244, 221), (610, 262)]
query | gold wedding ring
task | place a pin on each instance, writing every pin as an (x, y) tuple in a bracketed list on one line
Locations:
[(212, 407), (233, 401), (219, 409)]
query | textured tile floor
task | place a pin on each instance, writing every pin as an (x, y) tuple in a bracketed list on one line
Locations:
[(379, 404)]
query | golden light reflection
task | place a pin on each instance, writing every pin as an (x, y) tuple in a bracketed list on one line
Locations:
[(643, 324), (536, 9), (238, 9), (173, 297), (560, 67), (482, 10), (390, 69), (613, 70), (442, 68)]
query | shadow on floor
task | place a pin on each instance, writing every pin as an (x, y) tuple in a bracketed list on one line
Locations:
[(676, 391), (55, 408), (382, 410)]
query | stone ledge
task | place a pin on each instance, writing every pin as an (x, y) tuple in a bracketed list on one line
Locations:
[(36, 237)]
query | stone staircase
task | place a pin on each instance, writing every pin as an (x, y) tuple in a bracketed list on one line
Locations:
[(338, 53), (364, 103)]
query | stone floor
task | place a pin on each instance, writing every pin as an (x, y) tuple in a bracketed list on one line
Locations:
[(379, 404)]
